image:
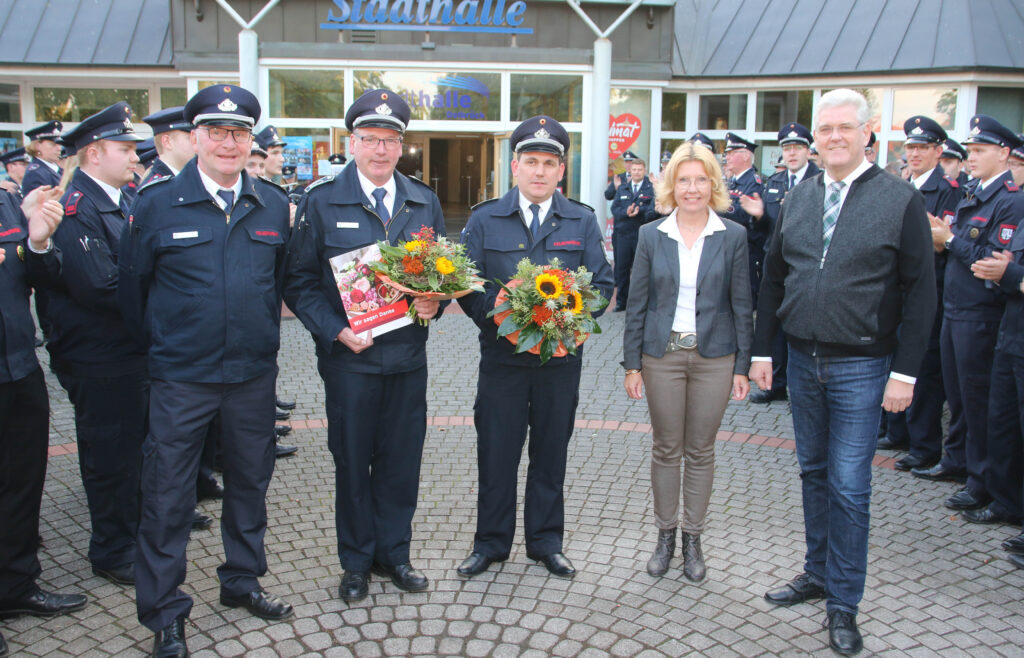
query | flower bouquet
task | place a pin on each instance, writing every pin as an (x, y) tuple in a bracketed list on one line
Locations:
[(428, 267), (547, 310)]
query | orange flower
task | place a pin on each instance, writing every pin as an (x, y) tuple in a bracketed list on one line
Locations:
[(412, 265), (541, 314)]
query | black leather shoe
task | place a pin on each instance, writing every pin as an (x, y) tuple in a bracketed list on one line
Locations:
[(404, 576), (200, 521), (283, 450), (965, 500), (911, 462), (282, 430), (843, 636), (123, 575), (287, 405), (888, 443), (355, 585), (939, 472), (1015, 544), (800, 589), (282, 415), (3, 646), (476, 563), (556, 563), (170, 640), (1016, 560), (208, 488), (986, 515), (39, 603), (764, 397), (259, 603)]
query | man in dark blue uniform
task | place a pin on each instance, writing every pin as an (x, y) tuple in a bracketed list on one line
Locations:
[(201, 272), (172, 141), (795, 141), (270, 142), (24, 407), (1003, 474), (515, 392), (617, 179), (15, 162), (952, 161), (97, 361), (703, 140), (985, 222), (44, 168), (633, 207), (919, 428), (746, 182), (376, 387)]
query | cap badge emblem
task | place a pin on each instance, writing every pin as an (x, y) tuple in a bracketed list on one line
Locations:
[(542, 134), (383, 109), (227, 105), (916, 131), (227, 89), (384, 96), (975, 130), (792, 133)]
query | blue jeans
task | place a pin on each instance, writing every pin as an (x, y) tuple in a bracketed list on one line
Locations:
[(836, 403)]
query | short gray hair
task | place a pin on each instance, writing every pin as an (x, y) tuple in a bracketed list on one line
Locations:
[(840, 97)]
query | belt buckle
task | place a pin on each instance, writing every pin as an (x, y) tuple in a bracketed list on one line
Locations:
[(682, 341)]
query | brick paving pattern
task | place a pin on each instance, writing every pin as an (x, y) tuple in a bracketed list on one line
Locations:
[(936, 586)]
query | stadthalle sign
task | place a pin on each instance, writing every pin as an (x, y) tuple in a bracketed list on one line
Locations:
[(490, 16)]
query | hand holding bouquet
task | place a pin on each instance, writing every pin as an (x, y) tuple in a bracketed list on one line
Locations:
[(428, 267), (547, 310)]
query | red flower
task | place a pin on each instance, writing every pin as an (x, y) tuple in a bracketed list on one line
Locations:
[(357, 295), (541, 314)]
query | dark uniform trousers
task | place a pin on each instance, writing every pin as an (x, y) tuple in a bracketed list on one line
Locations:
[(747, 184), (626, 231), (110, 423), (517, 395), (972, 311), (24, 438), (376, 399)]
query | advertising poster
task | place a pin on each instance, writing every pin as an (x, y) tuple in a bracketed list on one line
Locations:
[(298, 151)]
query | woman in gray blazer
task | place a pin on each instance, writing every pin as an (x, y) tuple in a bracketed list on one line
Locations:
[(689, 326)]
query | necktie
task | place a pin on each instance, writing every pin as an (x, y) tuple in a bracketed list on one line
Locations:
[(535, 222), (636, 188), (831, 214), (228, 197), (382, 210), (123, 204), (792, 181)]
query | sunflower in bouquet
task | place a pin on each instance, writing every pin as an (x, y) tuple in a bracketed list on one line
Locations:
[(429, 267), (547, 310)]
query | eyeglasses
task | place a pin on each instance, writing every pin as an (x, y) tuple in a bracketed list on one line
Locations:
[(371, 141), (700, 182), (219, 134), (844, 129)]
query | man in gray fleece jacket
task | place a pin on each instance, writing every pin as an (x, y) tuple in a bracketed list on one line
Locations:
[(849, 276)]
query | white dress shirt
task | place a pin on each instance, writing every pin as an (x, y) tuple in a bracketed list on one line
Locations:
[(923, 178), (213, 187), (389, 191), (527, 214), (685, 319), (112, 192)]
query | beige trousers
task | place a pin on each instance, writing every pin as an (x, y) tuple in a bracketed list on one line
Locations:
[(687, 395)]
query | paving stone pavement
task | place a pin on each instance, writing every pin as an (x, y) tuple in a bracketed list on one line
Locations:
[(935, 585)]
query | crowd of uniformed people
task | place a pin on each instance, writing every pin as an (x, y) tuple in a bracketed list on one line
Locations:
[(159, 290)]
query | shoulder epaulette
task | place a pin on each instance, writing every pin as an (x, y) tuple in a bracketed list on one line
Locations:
[(1011, 186), (154, 181), (757, 179), (33, 166), (580, 203), (271, 183), (952, 182), (417, 180), (317, 183), (71, 207), (485, 202)]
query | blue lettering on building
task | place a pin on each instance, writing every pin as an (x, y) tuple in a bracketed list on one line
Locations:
[(489, 16), (458, 105)]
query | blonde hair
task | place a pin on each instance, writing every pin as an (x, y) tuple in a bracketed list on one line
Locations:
[(690, 152), (70, 165)]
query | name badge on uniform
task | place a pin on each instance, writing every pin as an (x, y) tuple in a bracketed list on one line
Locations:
[(348, 224), (773, 191), (181, 235)]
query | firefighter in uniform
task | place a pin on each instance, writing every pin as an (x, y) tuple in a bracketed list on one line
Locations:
[(985, 222), (515, 393), (632, 207), (171, 141), (200, 275), (746, 182), (376, 387), (952, 161), (15, 162), (46, 154)]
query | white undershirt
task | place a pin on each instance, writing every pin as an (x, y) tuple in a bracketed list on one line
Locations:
[(685, 318), (389, 191)]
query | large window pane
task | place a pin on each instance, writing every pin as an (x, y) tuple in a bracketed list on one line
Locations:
[(172, 97), (725, 112), (442, 95), (777, 108), (558, 96), (307, 94), (1005, 104), (874, 96), (939, 104), (673, 111), (767, 154), (65, 104), (10, 108)]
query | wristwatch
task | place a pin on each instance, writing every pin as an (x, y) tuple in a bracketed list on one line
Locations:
[(948, 241), (632, 371)]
